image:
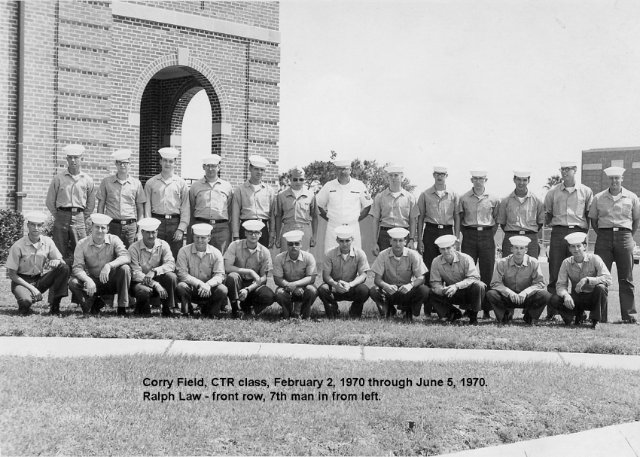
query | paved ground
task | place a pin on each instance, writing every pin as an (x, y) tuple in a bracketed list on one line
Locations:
[(618, 440)]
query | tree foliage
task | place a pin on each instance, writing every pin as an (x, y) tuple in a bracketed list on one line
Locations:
[(552, 181), (372, 174)]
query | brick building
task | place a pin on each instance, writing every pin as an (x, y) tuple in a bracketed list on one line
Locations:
[(120, 74)]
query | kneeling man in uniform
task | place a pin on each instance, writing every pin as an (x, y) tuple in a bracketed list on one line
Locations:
[(399, 279), (294, 272), (344, 273), (26, 263), (590, 281), (100, 267), (200, 269), (152, 269), (518, 283), (455, 279)]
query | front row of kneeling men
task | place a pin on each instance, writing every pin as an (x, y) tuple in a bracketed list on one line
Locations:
[(202, 275)]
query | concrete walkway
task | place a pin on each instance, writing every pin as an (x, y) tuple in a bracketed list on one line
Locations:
[(618, 440)]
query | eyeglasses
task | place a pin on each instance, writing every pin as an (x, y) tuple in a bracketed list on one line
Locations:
[(293, 243), (297, 179), (120, 164), (344, 241), (252, 232)]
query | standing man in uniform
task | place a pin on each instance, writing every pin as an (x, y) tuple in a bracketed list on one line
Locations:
[(26, 263), (566, 208), (100, 267), (343, 201), (253, 200), (168, 201), (521, 213), (518, 283), (200, 270), (590, 281), (152, 269), (344, 273), (294, 272), (478, 216), (615, 213), (437, 216), (247, 263), (455, 280), (122, 198), (210, 202), (70, 200), (393, 207), (399, 278), (296, 210)]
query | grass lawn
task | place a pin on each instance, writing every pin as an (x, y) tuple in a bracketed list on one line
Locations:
[(95, 406)]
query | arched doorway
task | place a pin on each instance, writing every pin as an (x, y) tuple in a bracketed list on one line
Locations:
[(162, 108)]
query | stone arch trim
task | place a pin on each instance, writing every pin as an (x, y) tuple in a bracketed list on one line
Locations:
[(172, 60)]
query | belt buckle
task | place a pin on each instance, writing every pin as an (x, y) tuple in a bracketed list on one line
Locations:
[(522, 232), (212, 221), (480, 229), (123, 222), (615, 229), (572, 226), (74, 210), (440, 226), (167, 216)]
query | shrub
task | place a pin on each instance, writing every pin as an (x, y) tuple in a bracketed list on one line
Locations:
[(11, 230)]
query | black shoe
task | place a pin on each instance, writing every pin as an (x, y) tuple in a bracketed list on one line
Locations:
[(578, 320), (527, 319), (473, 320), (486, 315), (567, 321), (454, 315), (630, 320), (122, 311), (594, 323)]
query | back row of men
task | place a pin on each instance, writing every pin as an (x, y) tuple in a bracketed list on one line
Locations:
[(569, 207)]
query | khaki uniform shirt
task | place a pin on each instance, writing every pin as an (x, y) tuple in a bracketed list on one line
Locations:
[(295, 210), (159, 258), (568, 208), (516, 216), (393, 211), (90, 259), (400, 271), (121, 200), (437, 210), (507, 276), (190, 267), (210, 201), (347, 269), (478, 210), (462, 272), (239, 255), (169, 197), (251, 204), (592, 267), (615, 213), (27, 258), (294, 270), (67, 190)]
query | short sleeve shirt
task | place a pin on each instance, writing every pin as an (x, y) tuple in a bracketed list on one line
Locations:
[(478, 210), (204, 268), (239, 255), (393, 211), (210, 200), (294, 209), (568, 208), (399, 271), (143, 259), (343, 202), (92, 258), (28, 258), (516, 216), (436, 209), (615, 213), (347, 269), (294, 270), (120, 198)]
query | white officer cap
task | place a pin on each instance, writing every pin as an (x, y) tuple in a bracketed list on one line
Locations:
[(73, 150), (37, 217), (440, 169), (398, 233), (519, 240), (169, 153), (122, 154), (100, 219), (296, 171), (211, 159), (479, 173), (149, 224), (614, 171), (201, 229), (342, 163), (293, 236), (253, 225), (258, 161), (522, 173), (445, 241), (392, 168), (576, 237), (344, 231), (569, 164)]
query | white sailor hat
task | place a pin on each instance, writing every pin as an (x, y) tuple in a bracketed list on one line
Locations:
[(121, 154), (258, 161), (445, 241), (344, 231), (614, 171), (73, 150), (148, 224), (520, 240), (169, 153), (211, 159), (522, 173), (569, 164), (100, 219), (201, 229), (392, 168), (36, 217), (342, 163), (440, 169), (398, 233), (293, 236), (253, 225), (576, 237), (479, 173)]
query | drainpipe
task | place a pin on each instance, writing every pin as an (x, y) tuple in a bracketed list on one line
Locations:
[(19, 194)]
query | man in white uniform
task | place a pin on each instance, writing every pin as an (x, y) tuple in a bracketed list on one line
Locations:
[(343, 201)]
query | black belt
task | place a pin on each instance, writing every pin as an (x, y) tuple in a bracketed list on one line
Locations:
[(478, 228), (389, 228), (71, 209), (439, 226), (615, 229), (165, 216), (124, 221), (211, 221), (30, 277), (521, 232)]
